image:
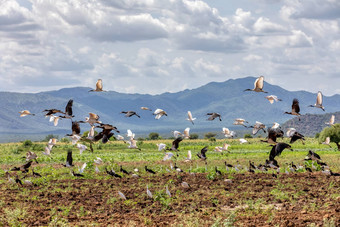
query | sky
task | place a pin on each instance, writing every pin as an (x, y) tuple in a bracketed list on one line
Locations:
[(157, 46)]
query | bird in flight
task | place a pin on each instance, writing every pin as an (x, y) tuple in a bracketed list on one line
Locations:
[(227, 133), (257, 127), (213, 116), (130, 113), (295, 108), (272, 98), (318, 103), (190, 118), (24, 113), (159, 113), (99, 86), (240, 121), (258, 85), (277, 150), (331, 121)]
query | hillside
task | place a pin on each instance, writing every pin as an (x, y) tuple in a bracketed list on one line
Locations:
[(227, 98)]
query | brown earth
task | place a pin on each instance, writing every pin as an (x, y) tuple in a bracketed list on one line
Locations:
[(246, 199)]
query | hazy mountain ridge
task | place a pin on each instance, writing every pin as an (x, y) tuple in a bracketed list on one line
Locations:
[(227, 98)]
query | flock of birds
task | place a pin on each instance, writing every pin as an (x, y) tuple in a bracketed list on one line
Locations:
[(108, 130)]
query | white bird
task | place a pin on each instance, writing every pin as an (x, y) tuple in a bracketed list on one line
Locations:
[(227, 133), (224, 148), (327, 141), (99, 86), (130, 134), (93, 118), (81, 147), (52, 142), (318, 103), (185, 184), (257, 127), (28, 182), (47, 151), (148, 192), (168, 156), (75, 139), (54, 119), (31, 155), (243, 141), (167, 191), (176, 134), (240, 121), (121, 195), (145, 108), (272, 98), (290, 132), (119, 137), (81, 170), (132, 144), (24, 113), (90, 135), (159, 113), (186, 133), (96, 169), (258, 85), (190, 118), (275, 125), (188, 159), (331, 121), (161, 146), (98, 161)]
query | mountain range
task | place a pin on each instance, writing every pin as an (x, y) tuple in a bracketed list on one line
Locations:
[(227, 98)]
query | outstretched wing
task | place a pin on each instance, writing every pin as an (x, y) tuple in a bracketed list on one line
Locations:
[(295, 106), (68, 108), (319, 99), (99, 85), (259, 83)]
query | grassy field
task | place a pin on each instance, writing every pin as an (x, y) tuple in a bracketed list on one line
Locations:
[(234, 198)]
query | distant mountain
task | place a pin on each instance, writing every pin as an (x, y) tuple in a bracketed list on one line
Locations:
[(227, 98)]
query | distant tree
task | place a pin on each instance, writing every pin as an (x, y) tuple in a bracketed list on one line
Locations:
[(212, 139), (65, 140), (27, 143), (247, 136), (333, 133), (154, 136), (209, 135), (317, 135), (194, 136), (50, 136)]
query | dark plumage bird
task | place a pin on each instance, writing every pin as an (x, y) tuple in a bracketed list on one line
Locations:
[(149, 170), (213, 116), (228, 165), (202, 154), (69, 159), (308, 169), (24, 168), (68, 109), (17, 180), (258, 85), (175, 144), (252, 165), (77, 174), (217, 171), (112, 173), (130, 113), (297, 136), (52, 111), (295, 108), (277, 150), (313, 156), (35, 174), (271, 138), (106, 133), (123, 170)]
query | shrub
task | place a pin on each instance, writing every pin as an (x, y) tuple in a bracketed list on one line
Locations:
[(154, 136), (209, 135), (27, 143), (194, 136), (247, 136)]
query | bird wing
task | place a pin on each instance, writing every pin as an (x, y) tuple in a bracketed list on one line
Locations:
[(81, 170), (319, 99), (55, 120), (331, 121), (93, 116), (290, 132), (68, 108), (259, 83), (75, 128), (295, 106), (189, 116), (272, 153), (186, 132), (189, 154), (204, 150), (69, 158)]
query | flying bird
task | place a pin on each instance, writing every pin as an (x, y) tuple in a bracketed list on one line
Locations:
[(177, 134), (257, 127), (81, 147), (24, 113), (92, 119), (175, 144), (272, 136), (295, 108), (161, 146), (258, 85), (272, 98), (188, 159), (318, 103), (331, 121), (224, 148), (30, 155), (99, 86), (240, 121), (227, 133), (186, 133), (130, 113), (69, 159), (202, 154), (190, 118), (294, 135), (312, 156), (213, 116), (243, 141), (52, 111), (145, 108), (277, 150), (68, 109), (167, 156), (159, 113), (327, 141)]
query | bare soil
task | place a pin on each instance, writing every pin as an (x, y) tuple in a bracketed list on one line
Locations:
[(246, 199)]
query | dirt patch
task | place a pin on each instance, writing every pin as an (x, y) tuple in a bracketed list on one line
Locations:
[(246, 199)]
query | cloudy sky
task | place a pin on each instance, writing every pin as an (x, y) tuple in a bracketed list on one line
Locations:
[(156, 46)]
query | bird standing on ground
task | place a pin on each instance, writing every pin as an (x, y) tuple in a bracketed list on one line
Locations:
[(318, 103), (99, 86), (258, 85)]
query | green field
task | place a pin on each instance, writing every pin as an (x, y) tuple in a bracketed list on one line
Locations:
[(209, 200)]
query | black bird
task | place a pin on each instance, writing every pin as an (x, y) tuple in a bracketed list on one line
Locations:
[(112, 173), (24, 168), (130, 113), (106, 133), (321, 163), (177, 168), (68, 109), (77, 174), (69, 159), (295, 108), (175, 144), (36, 174), (271, 163), (202, 155), (217, 171), (149, 170), (123, 170), (308, 169), (273, 135), (277, 150), (313, 156), (228, 165), (52, 111), (251, 165), (297, 136), (17, 180), (213, 116)]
